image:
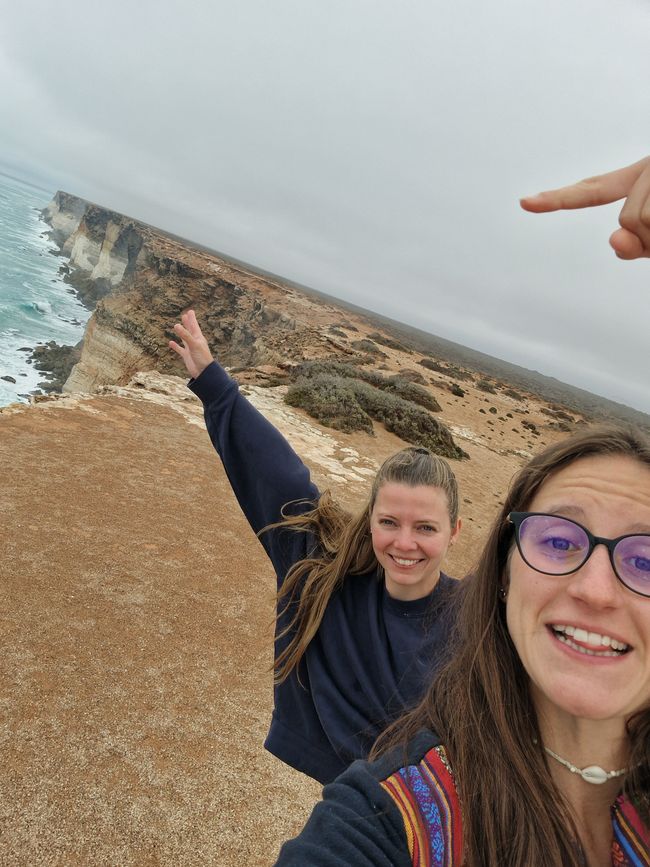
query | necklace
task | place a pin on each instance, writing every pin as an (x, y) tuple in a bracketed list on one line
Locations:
[(591, 774)]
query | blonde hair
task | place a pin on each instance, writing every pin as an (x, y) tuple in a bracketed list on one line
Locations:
[(344, 547)]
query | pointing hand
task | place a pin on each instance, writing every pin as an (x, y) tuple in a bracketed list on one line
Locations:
[(632, 183)]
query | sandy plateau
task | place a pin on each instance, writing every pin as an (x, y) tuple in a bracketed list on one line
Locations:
[(136, 619)]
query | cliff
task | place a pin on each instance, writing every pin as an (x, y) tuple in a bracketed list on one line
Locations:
[(143, 279)]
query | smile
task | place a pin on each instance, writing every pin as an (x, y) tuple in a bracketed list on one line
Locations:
[(591, 643), (403, 561)]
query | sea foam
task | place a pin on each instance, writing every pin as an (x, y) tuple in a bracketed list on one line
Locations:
[(35, 304)]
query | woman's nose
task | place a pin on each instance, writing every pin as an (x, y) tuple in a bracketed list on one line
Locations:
[(595, 583), (404, 539)]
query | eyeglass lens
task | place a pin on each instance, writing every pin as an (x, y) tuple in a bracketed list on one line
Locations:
[(558, 546)]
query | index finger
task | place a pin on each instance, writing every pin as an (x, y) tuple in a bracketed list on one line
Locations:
[(191, 323), (599, 190)]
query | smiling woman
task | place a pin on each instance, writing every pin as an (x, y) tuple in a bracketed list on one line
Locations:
[(581, 635), (363, 607), (550, 678), (532, 743), (411, 531)]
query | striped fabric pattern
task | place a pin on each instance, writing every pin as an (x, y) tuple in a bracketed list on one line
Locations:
[(426, 797), (631, 846)]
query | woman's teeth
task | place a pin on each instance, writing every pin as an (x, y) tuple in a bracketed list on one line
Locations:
[(566, 633), (402, 562)]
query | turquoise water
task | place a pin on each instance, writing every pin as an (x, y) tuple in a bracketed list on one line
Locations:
[(35, 304)]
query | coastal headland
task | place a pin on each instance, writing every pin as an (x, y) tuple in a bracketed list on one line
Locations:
[(137, 604)]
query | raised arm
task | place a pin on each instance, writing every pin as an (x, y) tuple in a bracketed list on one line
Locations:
[(632, 183), (194, 350), (264, 471)]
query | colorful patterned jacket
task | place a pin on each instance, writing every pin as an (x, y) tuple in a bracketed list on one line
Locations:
[(403, 811)]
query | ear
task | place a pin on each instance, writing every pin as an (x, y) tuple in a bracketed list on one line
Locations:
[(504, 583), (455, 531)]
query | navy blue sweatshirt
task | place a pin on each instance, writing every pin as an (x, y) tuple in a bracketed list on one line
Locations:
[(372, 655), (357, 824)]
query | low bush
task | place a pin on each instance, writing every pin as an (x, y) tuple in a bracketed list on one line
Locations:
[(558, 413), (433, 365), (397, 384), (447, 369), (389, 342), (348, 404), (412, 375), (366, 345), (331, 400)]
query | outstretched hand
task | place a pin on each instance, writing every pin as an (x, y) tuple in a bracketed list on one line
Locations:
[(632, 183), (195, 351)]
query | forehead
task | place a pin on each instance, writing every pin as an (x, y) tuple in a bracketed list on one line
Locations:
[(423, 500), (617, 485)]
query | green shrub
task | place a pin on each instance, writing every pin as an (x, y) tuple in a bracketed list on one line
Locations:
[(412, 375), (447, 369), (389, 342), (558, 413), (454, 388), (349, 404), (331, 400), (397, 384), (368, 346), (485, 385), (433, 365)]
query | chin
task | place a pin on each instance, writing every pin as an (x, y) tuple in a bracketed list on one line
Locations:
[(592, 708)]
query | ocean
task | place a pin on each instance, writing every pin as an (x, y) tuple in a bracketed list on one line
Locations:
[(35, 304)]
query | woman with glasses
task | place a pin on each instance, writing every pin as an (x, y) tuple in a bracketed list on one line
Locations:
[(532, 744)]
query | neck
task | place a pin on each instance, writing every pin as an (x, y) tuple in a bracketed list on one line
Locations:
[(584, 743)]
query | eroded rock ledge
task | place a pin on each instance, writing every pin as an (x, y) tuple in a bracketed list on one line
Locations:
[(140, 281)]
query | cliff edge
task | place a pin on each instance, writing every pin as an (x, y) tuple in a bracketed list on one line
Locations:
[(140, 281)]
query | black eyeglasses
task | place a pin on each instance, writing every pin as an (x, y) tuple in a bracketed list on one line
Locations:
[(554, 545)]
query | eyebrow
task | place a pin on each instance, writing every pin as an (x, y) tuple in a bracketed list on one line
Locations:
[(576, 512), (416, 521)]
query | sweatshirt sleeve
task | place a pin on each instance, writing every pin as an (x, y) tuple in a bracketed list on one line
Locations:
[(263, 470), (356, 823)]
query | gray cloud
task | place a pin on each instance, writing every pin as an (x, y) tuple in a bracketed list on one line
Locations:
[(373, 150)]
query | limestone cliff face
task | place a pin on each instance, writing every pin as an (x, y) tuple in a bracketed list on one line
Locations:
[(64, 213), (142, 280)]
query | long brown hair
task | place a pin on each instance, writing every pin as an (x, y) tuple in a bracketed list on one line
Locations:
[(344, 547), (480, 702)]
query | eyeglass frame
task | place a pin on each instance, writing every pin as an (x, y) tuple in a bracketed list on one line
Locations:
[(517, 519)]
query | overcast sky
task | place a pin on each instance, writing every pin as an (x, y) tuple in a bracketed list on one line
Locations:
[(372, 149)]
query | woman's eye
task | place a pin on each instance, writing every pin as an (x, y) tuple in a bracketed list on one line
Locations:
[(640, 564), (386, 522), (559, 543), (427, 528)]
